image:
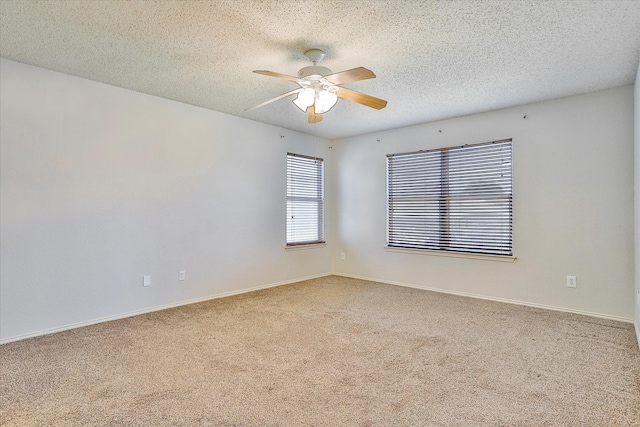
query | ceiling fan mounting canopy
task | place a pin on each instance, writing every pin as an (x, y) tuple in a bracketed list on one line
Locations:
[(315, 55), (319, 87)]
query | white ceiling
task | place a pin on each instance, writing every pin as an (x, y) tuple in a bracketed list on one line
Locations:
[(433, 59)]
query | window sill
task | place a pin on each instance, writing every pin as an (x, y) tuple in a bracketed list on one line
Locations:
[(500, 258), (305, 246)]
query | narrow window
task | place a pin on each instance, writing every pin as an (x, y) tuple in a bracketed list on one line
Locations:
[(305, 200), (452, 199)]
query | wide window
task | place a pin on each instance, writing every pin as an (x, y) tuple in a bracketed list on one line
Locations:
[(305, 200), (455, 199)]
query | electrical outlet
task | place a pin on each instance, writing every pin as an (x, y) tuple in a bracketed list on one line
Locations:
[(181, 275), (571, 282), (342, 256), (146, 281)]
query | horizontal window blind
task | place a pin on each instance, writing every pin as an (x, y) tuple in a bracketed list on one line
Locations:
[(452, 199), (305, 200)]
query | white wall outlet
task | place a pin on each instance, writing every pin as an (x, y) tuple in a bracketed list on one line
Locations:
[(342, 256), (571, 282), (181, 275), (146, 281)]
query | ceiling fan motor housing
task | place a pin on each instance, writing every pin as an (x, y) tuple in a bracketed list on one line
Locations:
[(314, 70)]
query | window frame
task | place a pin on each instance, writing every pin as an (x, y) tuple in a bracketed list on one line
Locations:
[(304, 199), (426, 216)]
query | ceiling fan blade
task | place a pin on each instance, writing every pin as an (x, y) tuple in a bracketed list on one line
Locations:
[(361, 98), (278, 75), (284, 95), (313, 117), (353, 75)]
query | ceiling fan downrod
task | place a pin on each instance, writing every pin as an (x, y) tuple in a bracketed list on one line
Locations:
[(315, 56)]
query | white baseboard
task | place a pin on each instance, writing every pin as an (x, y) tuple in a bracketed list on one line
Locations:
[(489, 298), (156, 308), (287, 282)]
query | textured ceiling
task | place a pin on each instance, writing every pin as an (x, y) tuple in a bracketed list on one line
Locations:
[(433, 59)]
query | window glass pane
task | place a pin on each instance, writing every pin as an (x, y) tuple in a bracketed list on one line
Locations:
[(305, 200), (453, 199)]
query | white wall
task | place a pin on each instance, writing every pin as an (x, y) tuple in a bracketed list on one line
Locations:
[(637, 200), (101, 185), (573, 205)]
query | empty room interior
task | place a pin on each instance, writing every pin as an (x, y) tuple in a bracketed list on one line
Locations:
[(319, 213)]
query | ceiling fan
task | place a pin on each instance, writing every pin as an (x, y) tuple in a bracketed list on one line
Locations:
[(320, 87)]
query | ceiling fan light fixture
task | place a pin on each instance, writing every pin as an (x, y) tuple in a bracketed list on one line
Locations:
[(325, 100), (305, 99)]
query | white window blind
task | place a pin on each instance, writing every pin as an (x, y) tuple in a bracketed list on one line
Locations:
[(452, 199), (305, 200)]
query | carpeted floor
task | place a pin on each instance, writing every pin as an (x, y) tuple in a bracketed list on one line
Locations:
[(329, 352)]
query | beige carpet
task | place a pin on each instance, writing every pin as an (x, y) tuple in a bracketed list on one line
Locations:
[(329, 352)]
